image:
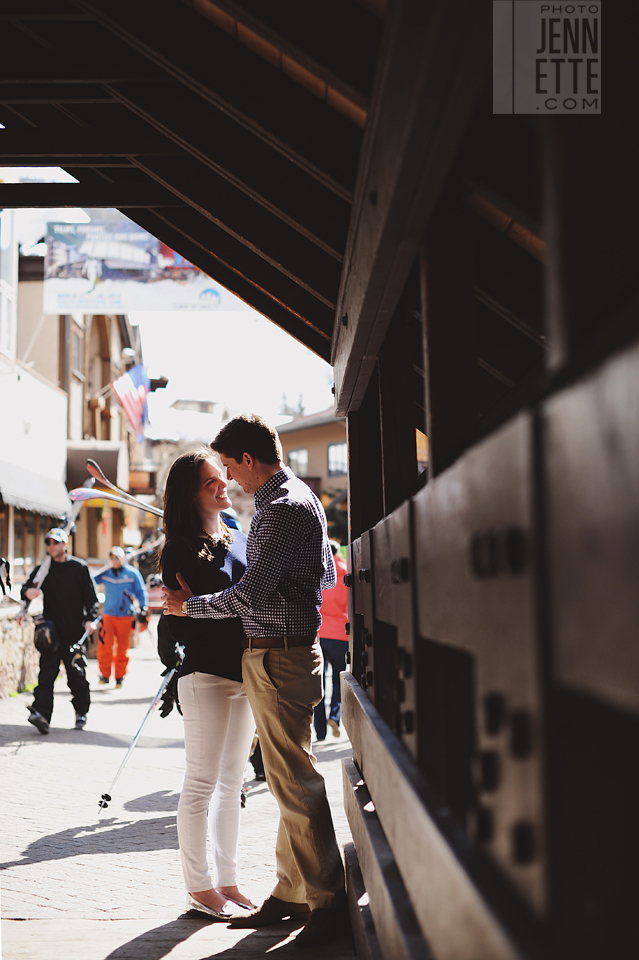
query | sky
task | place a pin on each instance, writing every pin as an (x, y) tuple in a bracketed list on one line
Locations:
[(231, 355), (234, 357)]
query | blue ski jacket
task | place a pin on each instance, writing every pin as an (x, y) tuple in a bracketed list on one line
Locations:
[(116, 584)]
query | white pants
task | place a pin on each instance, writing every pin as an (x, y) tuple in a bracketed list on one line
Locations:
[(218, 732)]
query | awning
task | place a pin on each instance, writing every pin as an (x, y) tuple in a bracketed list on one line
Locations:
[(29, 490), (111, 455)]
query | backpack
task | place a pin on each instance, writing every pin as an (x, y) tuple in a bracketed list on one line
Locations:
[(45, 636)]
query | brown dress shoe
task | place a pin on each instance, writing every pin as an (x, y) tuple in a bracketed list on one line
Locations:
[(271, 911), (325, 925)]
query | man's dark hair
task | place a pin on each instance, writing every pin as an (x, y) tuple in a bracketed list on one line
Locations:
[(250, 434)]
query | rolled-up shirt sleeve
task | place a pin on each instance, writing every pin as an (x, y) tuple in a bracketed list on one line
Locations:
[(329, 577), (278, 535)]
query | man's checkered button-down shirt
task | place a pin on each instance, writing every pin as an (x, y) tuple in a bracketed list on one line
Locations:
[(289, 563)]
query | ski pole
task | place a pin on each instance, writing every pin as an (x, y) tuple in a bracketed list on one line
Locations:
[(94, 625), (76, 649), (106, 797)]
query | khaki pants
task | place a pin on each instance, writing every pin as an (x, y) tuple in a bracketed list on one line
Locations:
[(283, 686)]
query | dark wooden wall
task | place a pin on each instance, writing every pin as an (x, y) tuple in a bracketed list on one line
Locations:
[(493, 694)]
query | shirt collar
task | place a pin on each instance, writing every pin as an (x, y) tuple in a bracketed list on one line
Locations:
[(269, 490)]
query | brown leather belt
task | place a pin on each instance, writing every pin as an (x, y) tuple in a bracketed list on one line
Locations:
[(265, 643)]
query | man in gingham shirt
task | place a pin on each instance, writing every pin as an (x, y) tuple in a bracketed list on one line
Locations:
[(278, 598)]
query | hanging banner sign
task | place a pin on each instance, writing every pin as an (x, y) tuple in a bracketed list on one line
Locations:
[(114, 266)]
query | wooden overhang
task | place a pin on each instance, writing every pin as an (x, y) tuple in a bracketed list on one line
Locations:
[(293, 152), (232, 131)]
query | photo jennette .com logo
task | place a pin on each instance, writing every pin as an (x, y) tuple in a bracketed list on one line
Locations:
[(546, 57)]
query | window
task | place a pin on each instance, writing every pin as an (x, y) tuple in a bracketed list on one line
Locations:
[(337, 459), (76, 355), (298, 462)]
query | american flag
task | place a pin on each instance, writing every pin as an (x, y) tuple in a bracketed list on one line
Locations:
[(131, 390)]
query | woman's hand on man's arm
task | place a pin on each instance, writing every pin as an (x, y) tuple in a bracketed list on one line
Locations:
[(173, 599)]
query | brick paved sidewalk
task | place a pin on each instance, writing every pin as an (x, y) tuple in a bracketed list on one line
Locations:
[(67, 870)]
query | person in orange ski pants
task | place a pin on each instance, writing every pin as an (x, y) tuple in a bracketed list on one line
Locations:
[(122, 584)]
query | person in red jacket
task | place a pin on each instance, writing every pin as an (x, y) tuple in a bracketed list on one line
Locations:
[(332, 634)]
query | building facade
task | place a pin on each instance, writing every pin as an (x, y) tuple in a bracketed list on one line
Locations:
[(55, 384)]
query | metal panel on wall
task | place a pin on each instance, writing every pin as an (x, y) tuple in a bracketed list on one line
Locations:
[(592, 444), (463, 909), (361, 602), (474, 552), (394, 606)]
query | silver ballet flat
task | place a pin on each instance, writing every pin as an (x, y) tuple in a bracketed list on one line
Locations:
[(244, 906), (192, 904)]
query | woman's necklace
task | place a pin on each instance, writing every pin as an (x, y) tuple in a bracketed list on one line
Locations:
[(213, 539)]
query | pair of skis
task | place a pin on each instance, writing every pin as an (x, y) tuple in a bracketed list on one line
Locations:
[(82, 494), (68, 523)]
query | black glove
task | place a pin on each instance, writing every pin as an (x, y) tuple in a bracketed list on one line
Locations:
[(79, 660), (170, 695), (143, 618)]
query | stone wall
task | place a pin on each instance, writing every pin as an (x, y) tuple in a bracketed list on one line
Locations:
[(18, 657)]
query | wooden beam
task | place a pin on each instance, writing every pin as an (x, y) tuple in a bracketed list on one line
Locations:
[(335, 41), (246, 161), (506, 218), (397, 928), (34, 64), (434, 60), (450, 333), (302, 204), (464, 908), (21, 16), (248, 264), (232, 280), (249, 222), (98, 194), (362, 925), (363, 431), (400, 351), (227, 75), (20, 143), (70, 163), (52, 93)]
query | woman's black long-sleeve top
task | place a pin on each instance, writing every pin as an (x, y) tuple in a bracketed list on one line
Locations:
[(210, 646)]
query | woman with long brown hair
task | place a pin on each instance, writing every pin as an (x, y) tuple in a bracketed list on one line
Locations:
[(218, 723)]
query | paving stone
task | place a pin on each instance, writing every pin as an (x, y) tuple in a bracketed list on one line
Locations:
[(80, 883)]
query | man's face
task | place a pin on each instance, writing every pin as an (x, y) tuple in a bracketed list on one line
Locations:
[(243, 472), (116, 562), (56, 550)]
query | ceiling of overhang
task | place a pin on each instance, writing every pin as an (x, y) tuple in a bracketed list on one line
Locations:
[(231, 130)]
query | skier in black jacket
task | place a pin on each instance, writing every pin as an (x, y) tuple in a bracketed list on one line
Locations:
[(70, 604)]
